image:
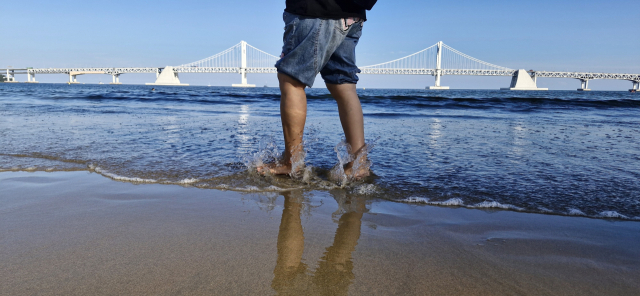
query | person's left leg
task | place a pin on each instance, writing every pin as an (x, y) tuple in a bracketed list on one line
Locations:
[(340, 76), (352, 121), (350, 112)]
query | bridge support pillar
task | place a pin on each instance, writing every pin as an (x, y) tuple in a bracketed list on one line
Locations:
[(115, 79), (11, 78), (636, 86), (523, 81), (438, 69), (73, 79), (437, 86), (243, 67), (584, 85), (31, 77), (168, 77)]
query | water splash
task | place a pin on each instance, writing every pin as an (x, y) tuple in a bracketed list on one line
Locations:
[(268, 152), (337, 173), (359, 163), (298, 165)]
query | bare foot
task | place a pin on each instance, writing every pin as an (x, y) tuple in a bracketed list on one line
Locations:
[(291, 165), (360, 165), (361, 173), (274, 169)]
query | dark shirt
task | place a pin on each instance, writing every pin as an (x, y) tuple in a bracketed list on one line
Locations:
[(329, 9)]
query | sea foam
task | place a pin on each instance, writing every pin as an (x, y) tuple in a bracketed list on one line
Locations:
[(122, 178), (612, 214), (453, 202), (575, 212), (496, 205)]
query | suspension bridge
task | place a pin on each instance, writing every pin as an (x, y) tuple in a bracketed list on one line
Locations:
[(437, 60)]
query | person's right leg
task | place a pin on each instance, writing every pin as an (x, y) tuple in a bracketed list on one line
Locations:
[(293, 113)]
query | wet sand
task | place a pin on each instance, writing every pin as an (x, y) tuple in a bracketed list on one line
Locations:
[(77, 233)]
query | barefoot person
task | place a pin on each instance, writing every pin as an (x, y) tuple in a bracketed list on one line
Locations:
[(321, 37)]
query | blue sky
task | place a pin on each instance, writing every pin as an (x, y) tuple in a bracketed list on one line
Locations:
[(543, 35)]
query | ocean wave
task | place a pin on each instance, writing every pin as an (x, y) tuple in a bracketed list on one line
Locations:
[(495, 205), (359, 189), (123, 178), (450, 202), (187, 181), (545, 210), (510, 103), (414, 199), (612, 214), (576, 212), (419, 99), (251, 188)]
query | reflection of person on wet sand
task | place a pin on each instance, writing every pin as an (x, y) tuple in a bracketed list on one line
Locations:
[(336, 27), (289, 265), (335, 269)]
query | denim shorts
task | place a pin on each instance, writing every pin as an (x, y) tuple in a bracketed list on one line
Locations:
[(325, 46)]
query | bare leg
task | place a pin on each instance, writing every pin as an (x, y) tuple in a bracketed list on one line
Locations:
[(290, 243), (293, 113), (352, 120)]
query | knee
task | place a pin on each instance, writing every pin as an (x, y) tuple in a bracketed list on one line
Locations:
[(288, 81)]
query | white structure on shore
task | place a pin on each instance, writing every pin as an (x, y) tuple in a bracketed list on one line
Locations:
[(437, 60), (167, 76), (522, 81)]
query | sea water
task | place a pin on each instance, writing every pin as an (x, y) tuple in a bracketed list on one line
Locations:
[(555, 152)]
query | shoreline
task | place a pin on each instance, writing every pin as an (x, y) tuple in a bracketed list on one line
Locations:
[(78, 233), (450, 203)]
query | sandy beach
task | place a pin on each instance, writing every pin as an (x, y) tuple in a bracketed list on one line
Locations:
[(79, 233)]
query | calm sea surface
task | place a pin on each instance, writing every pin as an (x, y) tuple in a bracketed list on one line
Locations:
[(557, 152)]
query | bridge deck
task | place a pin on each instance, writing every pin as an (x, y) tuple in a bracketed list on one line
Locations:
[(365, 70)]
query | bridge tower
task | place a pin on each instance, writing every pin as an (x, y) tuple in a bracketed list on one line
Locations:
[(243, 66), (438, 73)]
